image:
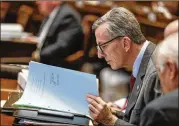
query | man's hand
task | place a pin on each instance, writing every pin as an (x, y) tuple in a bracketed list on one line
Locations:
[(100, 111), (36, 56), (114, 108), (32, 39)]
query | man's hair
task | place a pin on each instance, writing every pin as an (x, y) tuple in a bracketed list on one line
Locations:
[(171, 28), (167, 49), (121, 22)]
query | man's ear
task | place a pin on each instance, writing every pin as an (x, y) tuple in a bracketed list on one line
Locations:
[(126, 43), (172, 69)]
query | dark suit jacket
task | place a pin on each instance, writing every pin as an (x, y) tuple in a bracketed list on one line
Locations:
[(143, 91), (64, 37), (163, 111), (10, 17)]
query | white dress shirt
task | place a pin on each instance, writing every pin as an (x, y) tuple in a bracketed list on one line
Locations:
[(46, 27)]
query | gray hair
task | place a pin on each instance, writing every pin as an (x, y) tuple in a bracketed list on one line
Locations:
[(121, 22), (167, 49)]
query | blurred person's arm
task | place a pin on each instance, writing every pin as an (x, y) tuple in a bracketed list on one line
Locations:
[(31, 38)]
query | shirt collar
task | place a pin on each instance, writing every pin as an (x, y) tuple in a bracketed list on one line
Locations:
[(139, 59)]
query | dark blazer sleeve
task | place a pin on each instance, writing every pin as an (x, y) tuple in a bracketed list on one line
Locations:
[(162, 111), (155, 117), (121, 122), (119, 114), (69, 31)]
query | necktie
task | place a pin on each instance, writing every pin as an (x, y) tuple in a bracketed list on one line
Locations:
[(132, 81)]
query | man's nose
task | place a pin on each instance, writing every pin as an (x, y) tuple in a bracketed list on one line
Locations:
[(100, 55)]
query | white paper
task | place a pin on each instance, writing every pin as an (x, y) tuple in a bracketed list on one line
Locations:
[(58, 89)]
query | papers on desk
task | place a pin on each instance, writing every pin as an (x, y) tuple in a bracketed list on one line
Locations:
[(22, 78), (44, 123), (13, 27), (12, 31), (56, 88)]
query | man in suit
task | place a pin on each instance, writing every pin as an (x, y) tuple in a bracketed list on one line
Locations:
[(121, 43), (6, 15), (60, 34), (171, 28), (164, 110)]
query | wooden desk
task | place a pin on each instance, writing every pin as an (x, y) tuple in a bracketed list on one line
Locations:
[(16, 51), (7, 86), (6, 120), (14, 48)]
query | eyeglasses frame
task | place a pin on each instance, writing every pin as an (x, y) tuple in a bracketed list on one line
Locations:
[(110, 41)]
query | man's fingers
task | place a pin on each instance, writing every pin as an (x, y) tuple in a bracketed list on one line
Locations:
[(91, 96), (93, 115), (99, 100), (92, 109), (95, 105), (92, 101), (96, 98)]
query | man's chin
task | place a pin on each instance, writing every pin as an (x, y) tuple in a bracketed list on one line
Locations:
[(114, 67)]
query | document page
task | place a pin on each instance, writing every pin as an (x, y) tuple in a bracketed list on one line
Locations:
[(57, 88)]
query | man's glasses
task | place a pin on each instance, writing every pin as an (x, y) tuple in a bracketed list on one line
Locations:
[(99, 47)]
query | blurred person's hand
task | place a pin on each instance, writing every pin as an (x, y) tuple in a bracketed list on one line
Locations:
[(100, 111), (31, 38), (36, 56)]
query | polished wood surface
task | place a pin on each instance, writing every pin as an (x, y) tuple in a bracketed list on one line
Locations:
[(16, 51), (16, 48), (7, 86), (6, 120)]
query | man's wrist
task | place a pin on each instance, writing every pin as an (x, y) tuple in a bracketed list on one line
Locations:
[(110, 121), (113, 121), (37, 56)]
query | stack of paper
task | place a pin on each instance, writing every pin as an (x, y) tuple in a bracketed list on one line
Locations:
[(58, 89), (12, 31), (22, 78)]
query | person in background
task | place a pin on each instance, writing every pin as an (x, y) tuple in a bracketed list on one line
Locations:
[(6, 15), (171, 28), (164, 110), (121, 43), (60, 34)]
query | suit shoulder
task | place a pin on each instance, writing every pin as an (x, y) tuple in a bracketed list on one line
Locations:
[(169, 100), (151, 67), (151, 73), (70, 11)]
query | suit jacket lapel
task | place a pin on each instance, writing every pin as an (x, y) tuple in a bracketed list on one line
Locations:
[(138, 83), (41, 26), (54, 25)]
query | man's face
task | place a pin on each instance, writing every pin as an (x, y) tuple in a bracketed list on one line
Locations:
[(4, 8), (113, 52), (45, 7), (163, 79), (168, 77)]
